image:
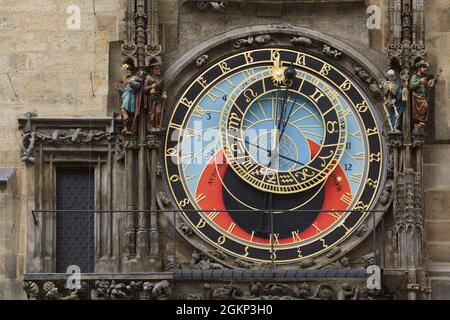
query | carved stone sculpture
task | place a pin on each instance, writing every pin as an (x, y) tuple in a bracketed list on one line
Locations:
[(251, 41), (301, 41), (331, 52), (393, 104), (202, 60)]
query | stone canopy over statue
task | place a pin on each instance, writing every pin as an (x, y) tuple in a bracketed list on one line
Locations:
[(420, 85)]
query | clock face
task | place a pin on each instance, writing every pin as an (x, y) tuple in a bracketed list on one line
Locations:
[(270, 167)]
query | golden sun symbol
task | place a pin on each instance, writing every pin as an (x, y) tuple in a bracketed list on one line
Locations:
[(277, 72)]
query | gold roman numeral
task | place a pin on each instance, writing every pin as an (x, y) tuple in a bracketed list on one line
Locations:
[(296, 236), (213, 215), (355, 177), (346, 198), (231, 227), (199, 112), (200, 197)]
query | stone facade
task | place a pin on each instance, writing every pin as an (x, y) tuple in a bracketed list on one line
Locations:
[(55, 72)]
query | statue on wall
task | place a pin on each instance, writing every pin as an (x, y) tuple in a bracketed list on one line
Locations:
[(420, 84), (130, 91), (155, 96), (393, 104)]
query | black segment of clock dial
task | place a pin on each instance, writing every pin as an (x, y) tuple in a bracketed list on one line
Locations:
[(309, 202)]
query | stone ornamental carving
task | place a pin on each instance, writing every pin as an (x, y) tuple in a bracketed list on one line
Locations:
[(253, 41), (202, 60), (331, 52), (301, 41)]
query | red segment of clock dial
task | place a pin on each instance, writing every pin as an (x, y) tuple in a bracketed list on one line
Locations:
[(210, 187)]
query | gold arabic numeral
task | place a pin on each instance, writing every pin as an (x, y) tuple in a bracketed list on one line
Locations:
[(248, 57), (249, 94), (234, 121), (246, 252), (325, 69), (231, 227), (317, 95), (296, 236), (224, 67), (184, 203), (186, 102), (346, 85), (372, 183), (375, 157), (175, 178), (347, 198), (221, 240), (201, 223), (371, 131), (332, 127), (299, 252), (323, 243), (199, 112), (362, 107), (355, 177), (200, 197), (301, 59)]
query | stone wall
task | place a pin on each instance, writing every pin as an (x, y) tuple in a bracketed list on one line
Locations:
[(437, 22), (186, 26), (45, 68)]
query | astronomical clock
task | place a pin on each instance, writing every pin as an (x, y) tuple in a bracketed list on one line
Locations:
[(273, 154)]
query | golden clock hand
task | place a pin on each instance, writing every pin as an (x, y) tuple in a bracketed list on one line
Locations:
[(287, 119)]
